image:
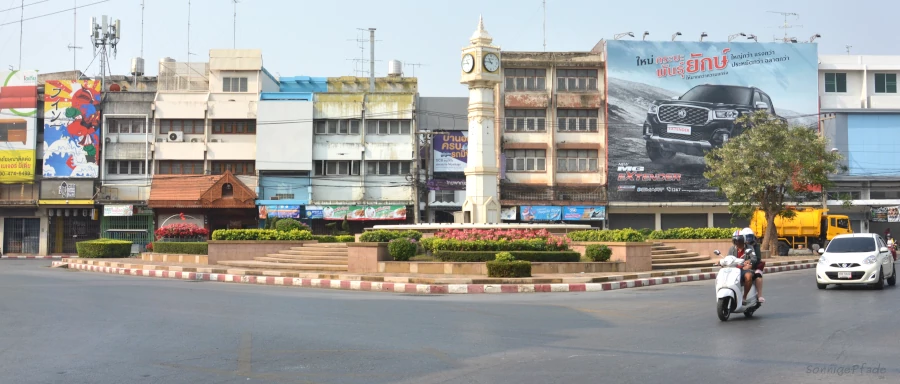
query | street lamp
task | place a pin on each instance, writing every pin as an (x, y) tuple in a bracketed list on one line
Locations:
[(675, 35), (702, 35), (814, 37), (621, 35), (752, 37), (734, 36), (646, 33)]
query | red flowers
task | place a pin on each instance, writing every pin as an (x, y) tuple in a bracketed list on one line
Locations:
[(496, 234), (181, 230)]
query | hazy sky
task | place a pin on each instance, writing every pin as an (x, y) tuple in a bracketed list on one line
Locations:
[(315, 37)]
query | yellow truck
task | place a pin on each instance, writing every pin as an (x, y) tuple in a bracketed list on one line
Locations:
[(809, 226)]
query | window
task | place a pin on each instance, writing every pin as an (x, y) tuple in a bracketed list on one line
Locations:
[(337, 127), (387, 168), (521, 79), (388, 127), (189, 127), (234, 84), (524, 160), (577, 79), (576, 160), (236, 167), (524, 120), (235, 127), (227, 190), (835, 82), (126, 126), (180, 167), (336, 167), (851, 244), (843, 223), (444, 196), (577, 120), (885, 83), (126, 167), (884, 194), (838, 195)]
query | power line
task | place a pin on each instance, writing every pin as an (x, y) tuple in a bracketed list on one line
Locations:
[(22, 6), (53, 13)]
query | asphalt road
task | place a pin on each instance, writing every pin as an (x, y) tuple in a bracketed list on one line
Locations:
[(59, 326)]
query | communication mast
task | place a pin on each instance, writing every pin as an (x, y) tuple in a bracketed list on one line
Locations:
[(105, 36), (787, 26)]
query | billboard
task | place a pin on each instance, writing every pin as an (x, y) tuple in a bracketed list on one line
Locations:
[(671, 102), (280, 211), (71, 128), (18, 114), (357, 212), (451, 151)]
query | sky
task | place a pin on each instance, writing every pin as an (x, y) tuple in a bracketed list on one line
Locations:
[(317, 38)]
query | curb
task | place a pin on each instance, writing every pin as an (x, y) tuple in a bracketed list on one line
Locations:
[(36, 257), (413, 288)]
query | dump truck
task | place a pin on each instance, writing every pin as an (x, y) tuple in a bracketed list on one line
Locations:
[(808, 227)]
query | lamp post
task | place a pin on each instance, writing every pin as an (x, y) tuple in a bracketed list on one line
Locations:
[(621, 35), (814, 37), (735, 36), (702, 35), (676, 34), (646, 33), (752, 37)]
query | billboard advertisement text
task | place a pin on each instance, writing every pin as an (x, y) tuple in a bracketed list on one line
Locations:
[(18, 114), (357, 212), (670, 103), (71, 128), (451, 151)]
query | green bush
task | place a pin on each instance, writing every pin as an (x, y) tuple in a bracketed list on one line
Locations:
[(334, 239), (195, 248), (645, 231), (556, 244), (103, 248), (693, 234), (402, 249), (385, 236), (533, 256), (608, 236), (288, 224), (260, 234), (505, 256), (517, 268), (271, 222), (598, 252), (428, 243)]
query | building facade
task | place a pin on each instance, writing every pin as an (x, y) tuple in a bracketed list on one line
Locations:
[(443, 137)]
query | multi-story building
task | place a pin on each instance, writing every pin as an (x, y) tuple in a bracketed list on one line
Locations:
[(204, 155), (860, 109), (20, 169), (443, 132), (550, 114)]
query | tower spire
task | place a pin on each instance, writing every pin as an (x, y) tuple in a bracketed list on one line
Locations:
[(481, 36)]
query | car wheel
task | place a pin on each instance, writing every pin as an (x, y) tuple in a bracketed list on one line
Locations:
[(879, 284), (892, 281), (658, 155), (783, 248), (821, 286)]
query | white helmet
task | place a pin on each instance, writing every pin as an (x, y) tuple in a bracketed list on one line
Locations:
[(749, 236)]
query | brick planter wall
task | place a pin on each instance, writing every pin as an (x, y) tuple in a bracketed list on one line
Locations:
[(222, 250), (635, 256)]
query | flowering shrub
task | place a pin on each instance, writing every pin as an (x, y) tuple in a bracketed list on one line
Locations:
[(182, 230), (149, 247), (493, 234), (550, 244), (286, 225), (260, 234), (384, 236)]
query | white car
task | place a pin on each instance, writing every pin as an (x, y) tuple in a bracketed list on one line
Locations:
[(859, 258)]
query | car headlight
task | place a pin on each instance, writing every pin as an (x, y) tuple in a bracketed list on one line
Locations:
[(653, 109), (823, 260), (869, 260), (726, 114)]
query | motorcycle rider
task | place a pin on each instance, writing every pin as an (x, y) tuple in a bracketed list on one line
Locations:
[(741, 250), (751, 240)]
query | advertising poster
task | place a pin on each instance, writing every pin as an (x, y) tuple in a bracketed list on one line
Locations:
[(280, 211), (508, 213), (18, 114), (541, 213), (118, 210), (886, 214), (578, 213), (671, 102), (446, 185), (451, 151), (71, 128), (357, 212)]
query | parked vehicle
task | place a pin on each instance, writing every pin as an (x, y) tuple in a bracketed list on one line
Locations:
[(861, 258), (700, 120), (808, 227), (730, 292)]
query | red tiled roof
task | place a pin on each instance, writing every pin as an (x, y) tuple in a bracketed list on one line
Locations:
[(199, 191)]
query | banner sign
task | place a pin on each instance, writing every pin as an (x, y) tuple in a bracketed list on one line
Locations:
[(71, 128), (886, 214), (446, 185), (508, 213), (118, 210), (18, 123), (451, 151), (280, 211), (541, 213), (357, 212), (577, 213), (672, 102)]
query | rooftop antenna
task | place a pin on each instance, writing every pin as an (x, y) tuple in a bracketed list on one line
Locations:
[(74, 48), (359, 65), (414, 65), (545, 28), (105, 35), (189, 34), (786, 26), (848, 48), (234, 27)]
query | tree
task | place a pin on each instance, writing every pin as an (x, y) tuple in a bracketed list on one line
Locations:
[(769, 166)]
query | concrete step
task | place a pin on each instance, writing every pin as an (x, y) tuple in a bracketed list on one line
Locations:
[(687, 265), (323, 245), (254, 264), (300, 261), (680, 260), (661, 247), (308, 257), (314, 252), (675, 255), (666, 251)]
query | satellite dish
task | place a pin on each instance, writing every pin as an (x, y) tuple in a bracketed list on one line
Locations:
[(115, 88)]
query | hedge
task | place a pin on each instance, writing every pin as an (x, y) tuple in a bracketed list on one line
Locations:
[(693, 234), (288, 224), (402, 249), (334, 239), (181, 248), (608, 236), (103, 248), (517, 268), (385, 236), (260, 234), (598, 252), (556, 244), (484, 256)]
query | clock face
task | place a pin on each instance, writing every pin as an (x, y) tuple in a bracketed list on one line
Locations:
[(491, 62), (468, 63)]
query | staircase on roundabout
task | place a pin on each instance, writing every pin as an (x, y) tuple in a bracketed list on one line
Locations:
[(669, 257), (321, 257)]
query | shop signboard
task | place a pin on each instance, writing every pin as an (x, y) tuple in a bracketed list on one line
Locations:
[(540, 213), (886, 214), (451, 151), (579, 213), (357, 212), (118, 210), (18, 114), (280, 211), (446, 185)]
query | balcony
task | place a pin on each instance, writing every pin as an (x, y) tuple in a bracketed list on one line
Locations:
[(511, 194), (885, 101), (837, 101)]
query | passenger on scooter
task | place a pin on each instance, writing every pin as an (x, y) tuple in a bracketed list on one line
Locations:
[(760, 266), (742, 251)]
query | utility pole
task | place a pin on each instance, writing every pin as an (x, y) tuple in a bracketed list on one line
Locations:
[(372, 62), (21, 31), (234, 27), (848, 48), (74, 48), (545, 25)]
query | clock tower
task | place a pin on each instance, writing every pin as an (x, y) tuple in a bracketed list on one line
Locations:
[(481, 72)]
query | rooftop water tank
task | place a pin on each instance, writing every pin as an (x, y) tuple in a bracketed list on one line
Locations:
[(137, 66), (395, 68)]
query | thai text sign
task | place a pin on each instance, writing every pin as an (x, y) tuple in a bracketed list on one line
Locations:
[(451, 151), (118, 210), (357, 212), (18, 114)]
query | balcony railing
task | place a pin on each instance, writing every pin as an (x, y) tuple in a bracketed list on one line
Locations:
[(553, 194)]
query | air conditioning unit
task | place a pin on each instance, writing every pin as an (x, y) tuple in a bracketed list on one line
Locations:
[(214, 141), (175, 137), (110, 139), (274, 198)]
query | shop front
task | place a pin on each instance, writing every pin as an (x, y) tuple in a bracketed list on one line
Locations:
[(21, 231), (594, 215), (213, 202), (71, 213), (128, 222)]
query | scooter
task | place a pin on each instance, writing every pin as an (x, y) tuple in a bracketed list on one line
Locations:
[(730, 292)]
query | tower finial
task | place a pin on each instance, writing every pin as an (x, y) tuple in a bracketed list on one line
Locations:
[(480, 23), (481, 35)]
